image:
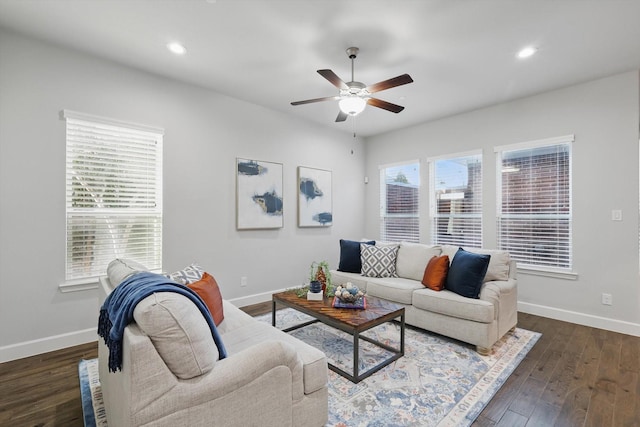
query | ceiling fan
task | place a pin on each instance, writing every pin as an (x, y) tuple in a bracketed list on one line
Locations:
[(354, 96)]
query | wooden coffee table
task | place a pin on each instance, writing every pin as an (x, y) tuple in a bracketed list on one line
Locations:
[(351, 321)]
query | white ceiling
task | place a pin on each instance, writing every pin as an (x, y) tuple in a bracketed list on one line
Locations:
[(460, 53)]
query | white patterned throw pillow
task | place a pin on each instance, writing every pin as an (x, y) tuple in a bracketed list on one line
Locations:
[(188, 275), (378, 261)]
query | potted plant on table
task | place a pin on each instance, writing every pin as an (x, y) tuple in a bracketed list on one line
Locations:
[(319, 271)]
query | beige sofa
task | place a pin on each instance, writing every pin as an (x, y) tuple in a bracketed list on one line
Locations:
[(269, 378), (480, 322)]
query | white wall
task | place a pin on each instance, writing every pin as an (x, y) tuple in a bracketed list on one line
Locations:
[(604, 116), (204, 133)]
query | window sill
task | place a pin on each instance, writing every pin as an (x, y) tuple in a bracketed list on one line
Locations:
[(566, 275), (78, 285)]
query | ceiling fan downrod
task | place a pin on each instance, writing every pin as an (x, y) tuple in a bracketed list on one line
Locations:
[(353, 53)]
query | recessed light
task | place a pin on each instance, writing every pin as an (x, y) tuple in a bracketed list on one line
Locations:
[(176, 48), (527, 52)]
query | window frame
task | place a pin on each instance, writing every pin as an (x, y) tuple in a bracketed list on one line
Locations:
[(537, 269), (384, 215), (153, 211), (433, 204)]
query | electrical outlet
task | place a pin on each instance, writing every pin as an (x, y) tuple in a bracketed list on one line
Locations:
[(243, 281), (616, 215), (607, 299)]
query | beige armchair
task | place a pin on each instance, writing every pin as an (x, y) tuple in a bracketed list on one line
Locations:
[(268, 378)]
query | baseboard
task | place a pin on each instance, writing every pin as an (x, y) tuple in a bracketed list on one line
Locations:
[(45, 345), (581, 318), (254, 299)]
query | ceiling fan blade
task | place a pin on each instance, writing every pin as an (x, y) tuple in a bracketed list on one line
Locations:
[(342, 116), (385, 105), (388, 84), (333, 78), (309, 101)]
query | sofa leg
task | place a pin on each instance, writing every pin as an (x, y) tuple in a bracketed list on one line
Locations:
[(513, 329), (483, 351)]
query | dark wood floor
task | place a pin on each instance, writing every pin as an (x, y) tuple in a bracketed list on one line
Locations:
[(573, 376)]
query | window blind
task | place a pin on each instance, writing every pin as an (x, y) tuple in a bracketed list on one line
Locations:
[(534, 203), (399, 202), (113, 195), (456, 200)]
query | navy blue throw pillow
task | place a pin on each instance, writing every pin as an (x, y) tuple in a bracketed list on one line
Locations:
[(466, 273), (350, 256)]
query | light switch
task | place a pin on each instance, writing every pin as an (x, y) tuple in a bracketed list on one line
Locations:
[(616, 215)]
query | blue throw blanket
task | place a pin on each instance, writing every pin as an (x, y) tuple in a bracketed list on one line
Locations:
[(117, 311)]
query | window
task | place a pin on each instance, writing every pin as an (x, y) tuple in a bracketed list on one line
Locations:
[(399, 202), (456, 200), (113, 194), (534, 202)]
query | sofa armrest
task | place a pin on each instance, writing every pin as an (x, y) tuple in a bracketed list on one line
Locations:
[(497, 292), (244, 376), (504, 296), (239, 369)]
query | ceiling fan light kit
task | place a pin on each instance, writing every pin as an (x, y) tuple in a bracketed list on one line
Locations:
[(354, 96), (352, 104)]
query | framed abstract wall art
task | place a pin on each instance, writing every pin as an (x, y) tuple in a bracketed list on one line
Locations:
[(315, 206), (258, 194)]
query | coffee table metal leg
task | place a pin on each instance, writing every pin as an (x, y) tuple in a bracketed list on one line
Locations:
[(356, 355), (402, 334), (273, 313)]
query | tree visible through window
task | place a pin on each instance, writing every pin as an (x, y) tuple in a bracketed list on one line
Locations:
[(399, 202), (534, 202), (114, 194), (456, 200)]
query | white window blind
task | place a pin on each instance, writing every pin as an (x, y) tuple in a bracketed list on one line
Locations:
[(399, 202), (113, 194), (534, 203), (456, 200)]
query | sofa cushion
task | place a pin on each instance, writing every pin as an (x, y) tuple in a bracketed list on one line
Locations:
[(413, 258), (395, 289), (435, 274), (120, 268), (466, 273), (179, 333), (340, 278), (452, 304), (350, 261), (187, 275), (207, 289), (498, 265), (240, 331), (378, 261)]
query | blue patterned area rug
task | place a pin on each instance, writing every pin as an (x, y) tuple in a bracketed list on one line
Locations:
[(438, 382), (91, 394)]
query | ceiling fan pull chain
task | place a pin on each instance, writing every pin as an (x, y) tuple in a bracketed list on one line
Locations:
[(354, 126)]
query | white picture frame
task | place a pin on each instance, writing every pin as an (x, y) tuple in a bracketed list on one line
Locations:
[(259, 194), (315, 198)]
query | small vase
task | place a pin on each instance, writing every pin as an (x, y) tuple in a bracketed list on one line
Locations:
[(315, 287)]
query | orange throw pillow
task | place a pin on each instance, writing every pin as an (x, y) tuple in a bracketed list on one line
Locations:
[(435, 275), (207, 289)]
